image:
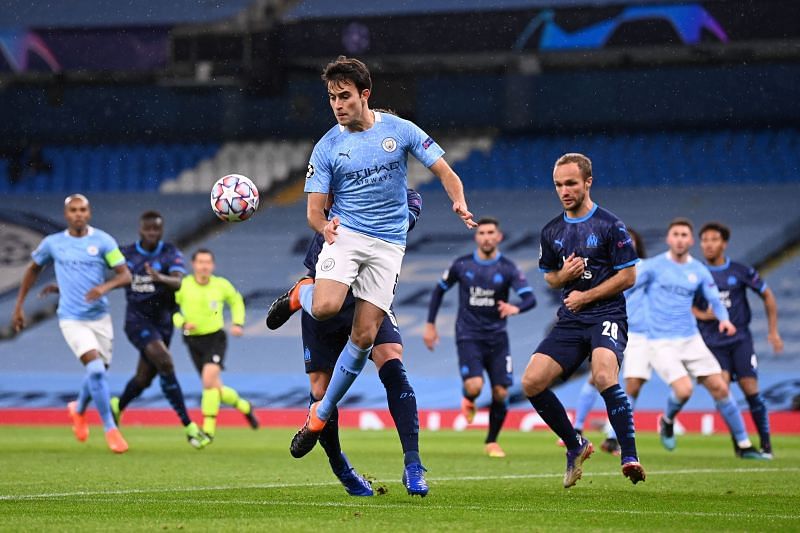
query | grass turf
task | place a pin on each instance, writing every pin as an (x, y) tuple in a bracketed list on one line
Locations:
[(247, 480)]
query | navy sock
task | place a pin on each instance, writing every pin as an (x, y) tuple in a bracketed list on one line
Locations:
[(132, 391), (760, 416), (497, 415), (172, 390), (621, 417), (329, 440), (402, 403), (552, 412)]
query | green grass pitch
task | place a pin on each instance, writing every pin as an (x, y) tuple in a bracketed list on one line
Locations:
[(247, 480)]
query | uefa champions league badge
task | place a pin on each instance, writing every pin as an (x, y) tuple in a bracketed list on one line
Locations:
[(92, 250), (389, 144)]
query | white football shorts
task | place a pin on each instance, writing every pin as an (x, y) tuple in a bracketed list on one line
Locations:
[(369, 266), (636, 362), (85, 335), (688, 356)]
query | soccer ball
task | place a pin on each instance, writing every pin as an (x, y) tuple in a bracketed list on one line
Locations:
[(234, 198)]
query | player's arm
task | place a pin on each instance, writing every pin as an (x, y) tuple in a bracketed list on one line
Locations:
[(455, 190), (122, 277), (235, 302), (711, 294), (429, 335), (524, 291), (771, 309), (28, 279), (414, 207), (172, 279), (701, 310), (623, 280), (318, 219)]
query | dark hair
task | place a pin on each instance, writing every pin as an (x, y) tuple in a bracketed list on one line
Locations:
[(724, 231), (348, 69), (385, 111), (150, 215), (681, 221), (202, 251), (583, 162), (489, 220), (638, 243)]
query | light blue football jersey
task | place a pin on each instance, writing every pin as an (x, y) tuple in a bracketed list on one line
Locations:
[(636, 306), (80, 264), (366, 171), (670, 289)]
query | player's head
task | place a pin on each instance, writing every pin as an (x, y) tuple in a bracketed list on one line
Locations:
[(679, 236), (572, 176), (151, 228), (638, 243), (714, 237), (349, 87), (203, 263), (77, 211), (488, 235)]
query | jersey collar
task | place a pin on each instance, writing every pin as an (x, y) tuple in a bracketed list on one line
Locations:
[(145, 252), (721, 267), (584, 218), (376, 114), (89, 231), (480, 261)]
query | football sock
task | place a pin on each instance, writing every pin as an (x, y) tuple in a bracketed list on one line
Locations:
[(132, 391), (209, 405), (98, 388), (411, 457), (586, 399), (402, 403), (329, 440), (172, 391), (552, 412), (621, 418), (760, 416), (733, 417), (674, 407), (348, 366), (229, 396), (306, 297), (497, 415), (84, 395)]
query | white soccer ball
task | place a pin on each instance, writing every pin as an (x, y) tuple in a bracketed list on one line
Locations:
[(234, 198)]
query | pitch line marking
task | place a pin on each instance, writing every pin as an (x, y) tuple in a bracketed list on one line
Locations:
[(54, 495)]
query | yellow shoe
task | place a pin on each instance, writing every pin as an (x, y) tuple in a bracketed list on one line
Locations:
[(468, 410), (494, 450)]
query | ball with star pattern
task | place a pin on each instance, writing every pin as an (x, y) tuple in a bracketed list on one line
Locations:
[(234, 198)]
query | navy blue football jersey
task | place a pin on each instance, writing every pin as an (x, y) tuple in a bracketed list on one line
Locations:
[(145, 298), (733, 279), (482, 283), (601, 240)]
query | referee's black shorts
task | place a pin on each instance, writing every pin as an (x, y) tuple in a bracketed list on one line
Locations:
[(207, 349)]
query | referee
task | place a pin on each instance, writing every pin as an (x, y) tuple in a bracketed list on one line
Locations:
[(201, 299)]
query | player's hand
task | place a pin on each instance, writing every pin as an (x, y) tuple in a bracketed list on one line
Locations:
[(237, 330), (18, 320), (430, 336), (330, 230), (776, 342), (50, 288), (572, 268), (727, 327), (506, 309), (463, 213), (95, 293), (188, 326), (576, 300), (155, 275)]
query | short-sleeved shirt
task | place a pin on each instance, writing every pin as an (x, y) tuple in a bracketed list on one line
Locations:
[(482, 283), (636, 307), (671, 288), (603, 242), (366, 171), (144, 297), (732, 279), (80, 264)]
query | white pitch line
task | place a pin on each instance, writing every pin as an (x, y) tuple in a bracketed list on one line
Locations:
[(53, 495)]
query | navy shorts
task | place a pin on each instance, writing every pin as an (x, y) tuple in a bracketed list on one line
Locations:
[(142, 332), (571, 342), (738, 359), (492, 355), (323, 341), (206, 349)]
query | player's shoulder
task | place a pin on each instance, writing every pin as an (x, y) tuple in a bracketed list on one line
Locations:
[(463, 259), (331, 137), (506, 262), (608, 217), (170, 248), (555, 223), (742, 268), (101, 234), (128, 249)]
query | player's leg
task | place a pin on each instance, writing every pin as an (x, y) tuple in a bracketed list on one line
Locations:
[(145, 373), (667, 359), (402, 403), (745, 365), (498, 364), (586, 399), (470, 364), (210, 376), (636, 368)]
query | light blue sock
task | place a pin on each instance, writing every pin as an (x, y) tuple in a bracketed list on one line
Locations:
[(733, 417), (674, 407), (84, 396), (98, 387), (586, 400), (348, 366), (307, 298)]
